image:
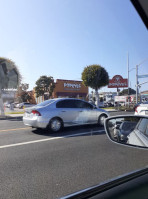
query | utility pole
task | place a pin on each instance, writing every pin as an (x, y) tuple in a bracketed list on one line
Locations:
[(128, 76), (136, 84), (140, 76), (128, 71)]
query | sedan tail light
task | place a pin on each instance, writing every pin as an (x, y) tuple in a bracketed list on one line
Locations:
[(136, 109), (36, 113)]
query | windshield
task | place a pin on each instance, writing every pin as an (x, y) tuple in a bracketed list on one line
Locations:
[(95, 51)]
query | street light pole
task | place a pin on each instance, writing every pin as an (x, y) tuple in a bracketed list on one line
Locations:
[(136, 84), (128, 76), (128, 71)]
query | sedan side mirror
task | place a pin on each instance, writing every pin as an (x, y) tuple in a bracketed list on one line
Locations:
[(128, 130)]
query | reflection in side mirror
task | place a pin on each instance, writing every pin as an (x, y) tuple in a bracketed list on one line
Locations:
[(128, 130)]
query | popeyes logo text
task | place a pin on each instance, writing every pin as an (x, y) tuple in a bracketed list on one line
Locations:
[(117, 82), (68, 85)]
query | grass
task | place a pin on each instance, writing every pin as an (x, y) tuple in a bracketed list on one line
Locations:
[(14, 113), (120, 108), (124, 108)]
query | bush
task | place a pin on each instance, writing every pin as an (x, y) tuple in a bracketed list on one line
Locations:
[(124, 108)]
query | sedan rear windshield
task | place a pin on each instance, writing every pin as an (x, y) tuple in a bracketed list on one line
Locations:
[(45, 103)]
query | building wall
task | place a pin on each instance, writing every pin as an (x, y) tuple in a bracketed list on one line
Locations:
[(32, 95), (39, 99), (8, 95), (144, 93), (70, 88)]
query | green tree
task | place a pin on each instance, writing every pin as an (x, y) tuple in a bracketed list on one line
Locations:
[(125, 92), (44, 86), (95, 76), (10, 77), (25, 97), (22, 94)]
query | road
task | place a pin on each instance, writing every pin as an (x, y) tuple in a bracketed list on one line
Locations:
[(36, 164)]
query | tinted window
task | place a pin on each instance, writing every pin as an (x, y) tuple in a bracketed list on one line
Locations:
[(87, 105), (66, 104), (79, 104), (82, 104)]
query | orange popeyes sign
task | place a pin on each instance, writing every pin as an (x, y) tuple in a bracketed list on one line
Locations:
[(117, 82)]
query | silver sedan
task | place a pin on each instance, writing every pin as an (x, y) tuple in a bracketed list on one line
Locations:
[(56, 113)]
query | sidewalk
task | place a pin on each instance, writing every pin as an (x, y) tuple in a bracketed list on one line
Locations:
[(11, 116), (20, 115), (14, 115)]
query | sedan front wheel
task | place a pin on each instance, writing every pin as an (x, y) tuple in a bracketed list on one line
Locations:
[(101, 119)]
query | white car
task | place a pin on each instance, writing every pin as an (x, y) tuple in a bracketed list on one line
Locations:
[(139, 136), (25, 105), (56, 113), (142, 109), (17, 105)]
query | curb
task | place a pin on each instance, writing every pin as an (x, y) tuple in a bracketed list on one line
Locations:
[(10, 117)]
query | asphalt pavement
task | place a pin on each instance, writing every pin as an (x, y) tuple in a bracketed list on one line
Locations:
[(37, 164)]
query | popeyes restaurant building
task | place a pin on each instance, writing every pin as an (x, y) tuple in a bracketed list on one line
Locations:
[(70, 89), (66, 88)]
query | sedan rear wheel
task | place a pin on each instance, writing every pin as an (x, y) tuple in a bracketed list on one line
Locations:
[(101, 119), (55, 125)]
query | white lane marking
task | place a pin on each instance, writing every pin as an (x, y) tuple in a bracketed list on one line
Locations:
[(48, 139)]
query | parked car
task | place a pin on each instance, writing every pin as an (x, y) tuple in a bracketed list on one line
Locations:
[(25, 105), (101, 104), (142, 109), (8, 105), (17, 105), (110, 104), (57, 113)]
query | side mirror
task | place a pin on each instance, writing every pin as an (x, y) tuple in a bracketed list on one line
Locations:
[(128, 130)]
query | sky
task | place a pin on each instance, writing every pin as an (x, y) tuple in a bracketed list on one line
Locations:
[(59, 38)]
